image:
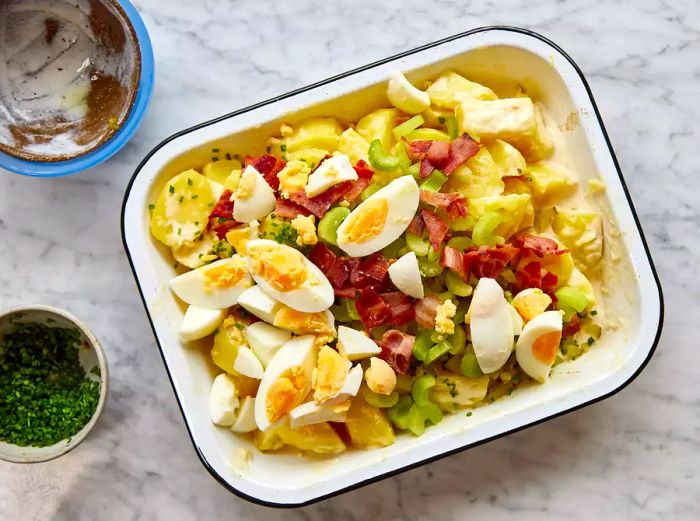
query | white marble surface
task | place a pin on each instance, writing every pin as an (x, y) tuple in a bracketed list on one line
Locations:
[(634, 456)]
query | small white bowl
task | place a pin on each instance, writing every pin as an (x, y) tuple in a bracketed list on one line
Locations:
[(89, 358)]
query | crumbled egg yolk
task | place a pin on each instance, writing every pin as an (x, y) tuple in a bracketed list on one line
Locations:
[(306, 229), (301, 323), (246, 185), (224, 276), (293, 177), (545, 347), (239, 237), (329, 374), (596, 186), (380, 377), (282, 267), (367, 223), (285, 393), (443, 318), (529, 304)]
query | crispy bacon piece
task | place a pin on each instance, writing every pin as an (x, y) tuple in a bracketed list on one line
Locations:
[(222, 227), (268, 166), (439, 154), (454, 259), (549, 284), (451, 200), (320, 204), (457, 208), (363, 170), (397, 348), (331, 265), (370, 272), (426, 309), (488, 262), (461, 149), (372, 309), (346, 292), (537, 245), (572, 327), (288, 209), (402, 310), (426, 168), (416, 226), (356, 189), (224, 206), (418, 150), (529, 276), (437, 228)]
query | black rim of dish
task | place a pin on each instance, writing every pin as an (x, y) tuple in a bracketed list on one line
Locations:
[(430, 459)]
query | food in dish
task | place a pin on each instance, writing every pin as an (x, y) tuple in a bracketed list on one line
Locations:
[(366, 279)]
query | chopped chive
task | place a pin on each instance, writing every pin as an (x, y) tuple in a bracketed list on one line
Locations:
[(171, 189), (195, 196), (211, 204), (214, 159), (590, 340), (189, 181), (283, 147), (469, 413), (594, 312), (442, 120), (179, 231), (267, 149), (196, 223), (182, 198), (151, 206), (215, 150)]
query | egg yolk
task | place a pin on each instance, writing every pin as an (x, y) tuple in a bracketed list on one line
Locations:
[(329, 375), (246, 185), (283, 268), (285, 393), (544, 348), (301, 323), (529, 306), (367, 223), (225, 275)]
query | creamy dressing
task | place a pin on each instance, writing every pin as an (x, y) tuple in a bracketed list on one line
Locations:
[(68, 73)]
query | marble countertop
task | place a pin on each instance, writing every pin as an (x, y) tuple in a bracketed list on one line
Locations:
[(633, 456)]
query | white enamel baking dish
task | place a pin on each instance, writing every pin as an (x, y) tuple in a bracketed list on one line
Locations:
[(487, 54)]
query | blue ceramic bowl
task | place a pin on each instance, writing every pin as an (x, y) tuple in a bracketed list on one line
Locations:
[(120, 138)]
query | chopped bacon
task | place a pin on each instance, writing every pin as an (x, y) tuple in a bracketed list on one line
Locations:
[(439, 199), (346, 292), (416, 226), (572, 327), (457, 208), (397, 348), (331, 265), (224, 206), (461, 149), (418, 150), (370, 272), (426, 309), (363, 170), (426, 168), (437, 228), (529, 276), (488, 262), (222, 227), (288, 209), (356, 189), (454, 259), (320, 204), (401, 307), (372, 309), (549, 284), (439, 154), (268, 166), (537, 245)]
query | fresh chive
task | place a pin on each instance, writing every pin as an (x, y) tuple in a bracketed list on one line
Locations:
[(215, 150), (195, 196), (442, 120), (283, 147), (171, 189), (151, 206)]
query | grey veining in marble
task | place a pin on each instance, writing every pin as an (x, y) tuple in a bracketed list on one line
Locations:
[(633, 456)]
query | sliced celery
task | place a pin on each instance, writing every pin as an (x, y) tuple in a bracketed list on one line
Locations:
[(381, 401), (392, 251), (422, 344), (417, 245), (456, 285), (421, 389), (470, 366), (460, 242), (434, 256), (484, 227), (458, 340), (462, 224), (571, 298), (452, 129), (329, 223), (462, 308), (379, 159), (398, 414), (428, 268), (371, 189), (414, 170), (434, 181), (408, 126), (404, 160), (352, 310), (437, 351)]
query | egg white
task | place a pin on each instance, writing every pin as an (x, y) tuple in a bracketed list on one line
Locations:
[(491, 324), (260, 202), (192, 287)]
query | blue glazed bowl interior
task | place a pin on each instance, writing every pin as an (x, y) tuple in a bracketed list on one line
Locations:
[(67, 14)]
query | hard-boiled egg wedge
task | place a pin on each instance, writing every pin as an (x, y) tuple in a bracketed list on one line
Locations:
[(354, 345), (321, 324), (286, 381), (405, 275), (518, 321), (200, 322), (223, 400), (245, 418), (329, 374), (254, 198), (329, 173), (531, 302), (214, 286), (265, 340), (404, 96), (259, 303), (537, 345), (491, 324), (248, 364), (288, 276), (380, 219), (312, 412), (353, 380)]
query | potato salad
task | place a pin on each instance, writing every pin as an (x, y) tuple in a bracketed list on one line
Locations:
[(365, 279)]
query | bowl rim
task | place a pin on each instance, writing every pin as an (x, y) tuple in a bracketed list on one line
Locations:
[(429, 459), (104, 379), (109, 147)]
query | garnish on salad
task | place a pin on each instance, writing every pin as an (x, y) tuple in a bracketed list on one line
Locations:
[(361, 280)]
